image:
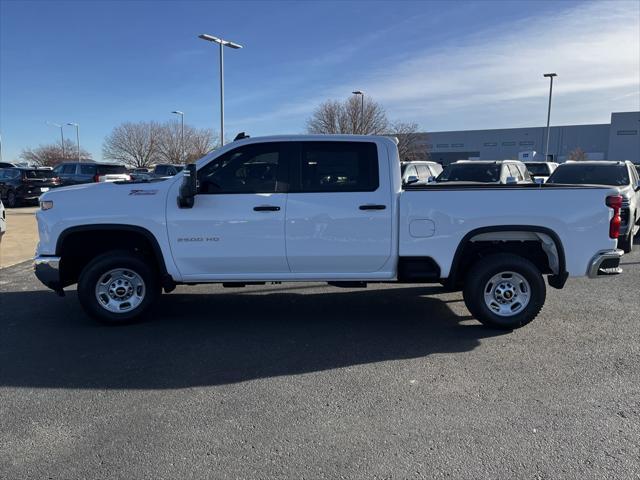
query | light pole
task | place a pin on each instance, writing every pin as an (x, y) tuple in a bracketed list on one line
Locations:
[(57, 125), (361, 93), (546, 148), (77, 136), (222, 43), (178, 112)]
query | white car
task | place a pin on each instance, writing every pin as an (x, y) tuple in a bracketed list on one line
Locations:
[(541, 171), (486, 171), (419, 172), (327, 208)]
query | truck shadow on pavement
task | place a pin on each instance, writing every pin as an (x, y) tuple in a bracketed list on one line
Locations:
[(221, 338)]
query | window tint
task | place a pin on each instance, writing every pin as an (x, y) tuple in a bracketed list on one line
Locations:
[(249, 169), (106, 169), (69, 168), (339, 167), (470, 172), (541, 169), (88, 169), (575, 174)]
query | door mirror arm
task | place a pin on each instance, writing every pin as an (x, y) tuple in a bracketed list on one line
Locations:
[(188, 189)]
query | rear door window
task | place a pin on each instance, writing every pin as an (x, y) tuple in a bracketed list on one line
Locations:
[(88, 169), (69, 169), (338, 167)]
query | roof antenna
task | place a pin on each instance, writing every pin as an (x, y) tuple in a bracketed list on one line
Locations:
[(241, 136)]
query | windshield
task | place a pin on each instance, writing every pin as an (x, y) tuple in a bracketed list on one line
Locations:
[(616, 175), (469, 172), (538, 169), (38, 174)]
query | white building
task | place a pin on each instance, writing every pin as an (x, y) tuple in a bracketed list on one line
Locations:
[(618, 140)]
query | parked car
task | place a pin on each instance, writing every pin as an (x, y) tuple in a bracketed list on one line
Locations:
[(419, 172), (7, 165), (621, 175), (74, 173), (167, 170), (540, 171), (486, 171), (3, 220), (22, 185), (322, 208)]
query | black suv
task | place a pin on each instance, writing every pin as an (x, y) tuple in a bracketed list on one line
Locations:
[(21, 185), (73, 173), (167, 170)]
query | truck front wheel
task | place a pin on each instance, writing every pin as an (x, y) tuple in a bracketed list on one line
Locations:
[(504, 291), (117, 287)]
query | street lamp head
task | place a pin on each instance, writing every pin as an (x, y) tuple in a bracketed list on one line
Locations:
[(72, 124), (178, 112), (358, 92), (550, 75), (209, 38), (220, 41)]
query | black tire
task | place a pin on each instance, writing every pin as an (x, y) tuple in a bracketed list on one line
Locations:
[(478, 279), (626, 243), (117, 259), (12, 200)]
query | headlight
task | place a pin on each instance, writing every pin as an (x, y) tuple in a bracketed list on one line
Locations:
[(46, 204)]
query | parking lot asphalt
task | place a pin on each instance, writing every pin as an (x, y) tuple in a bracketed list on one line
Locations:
[(311, 381)]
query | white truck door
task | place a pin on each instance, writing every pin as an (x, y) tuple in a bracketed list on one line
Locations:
[(236, 226), (339, 208)]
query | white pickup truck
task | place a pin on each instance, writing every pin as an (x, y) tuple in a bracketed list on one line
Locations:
[(322, 208)]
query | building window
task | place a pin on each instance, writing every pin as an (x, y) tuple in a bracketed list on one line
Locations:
[(491, 144), (627, 132), (508, 144), (442, 145), (526, 144), (456, 145)]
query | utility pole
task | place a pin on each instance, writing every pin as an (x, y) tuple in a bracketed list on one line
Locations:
[(546, 148)]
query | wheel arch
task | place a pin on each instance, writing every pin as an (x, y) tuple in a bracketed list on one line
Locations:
[(556, 279), (131, 237)]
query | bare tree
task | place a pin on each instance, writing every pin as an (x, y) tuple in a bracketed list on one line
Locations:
[(197, 143), (52, 154), (134, 144), (578, 155), (411, 144), (349, 117)]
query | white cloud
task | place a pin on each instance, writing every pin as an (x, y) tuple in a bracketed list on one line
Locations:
[(594, 48)]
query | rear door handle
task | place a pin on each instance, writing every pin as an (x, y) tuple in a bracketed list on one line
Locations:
[(372, 207), (266, 208)]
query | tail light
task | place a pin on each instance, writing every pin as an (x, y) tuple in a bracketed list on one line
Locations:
[(96, 178), (614, 202)]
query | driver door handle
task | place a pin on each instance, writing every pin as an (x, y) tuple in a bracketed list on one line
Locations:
[(266, 208), (372, 207)]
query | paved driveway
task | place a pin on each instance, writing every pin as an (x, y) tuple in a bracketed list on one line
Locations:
[(309, 381)]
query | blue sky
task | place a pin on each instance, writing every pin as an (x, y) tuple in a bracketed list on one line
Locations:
[(444, 65)]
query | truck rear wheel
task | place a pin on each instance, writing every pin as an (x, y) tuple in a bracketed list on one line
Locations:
[(504, 291), (626, 243), (117, 287)]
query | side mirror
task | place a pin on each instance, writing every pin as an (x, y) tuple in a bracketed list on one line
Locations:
[(412, 179), (511, 180), (188, 189), (538, 180), (431, 179)]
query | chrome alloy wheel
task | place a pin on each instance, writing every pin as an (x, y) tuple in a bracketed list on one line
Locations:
[(507, 294), (120, 290)]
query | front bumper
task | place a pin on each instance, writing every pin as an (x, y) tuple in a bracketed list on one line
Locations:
[(605, 263), (47, 270)]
